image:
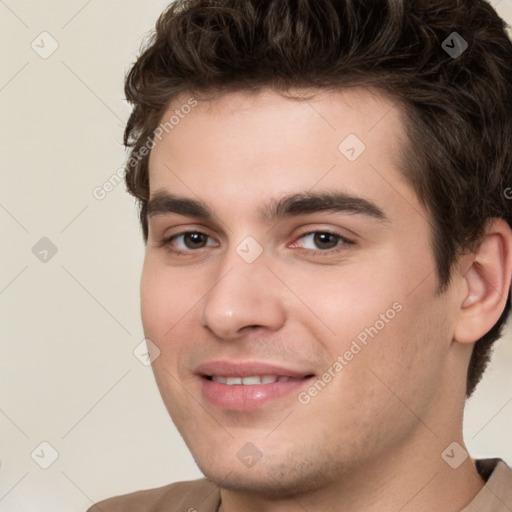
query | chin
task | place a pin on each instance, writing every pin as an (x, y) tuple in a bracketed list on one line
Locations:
[(271, 480)]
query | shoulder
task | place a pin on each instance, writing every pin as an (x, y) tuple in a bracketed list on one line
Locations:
[(193, 496)]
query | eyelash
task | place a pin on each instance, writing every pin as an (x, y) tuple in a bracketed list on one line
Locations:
[(342, 243)]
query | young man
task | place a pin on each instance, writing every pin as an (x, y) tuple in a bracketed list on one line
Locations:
[(323, 191)]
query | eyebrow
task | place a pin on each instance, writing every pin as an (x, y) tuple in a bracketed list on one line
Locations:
[(291, 205)]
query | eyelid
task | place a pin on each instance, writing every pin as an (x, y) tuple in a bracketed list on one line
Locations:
[(166, 232)]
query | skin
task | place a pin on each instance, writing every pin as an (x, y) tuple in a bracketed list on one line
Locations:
[(372, 438)]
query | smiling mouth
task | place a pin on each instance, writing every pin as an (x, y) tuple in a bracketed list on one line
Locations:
[(250, 385)]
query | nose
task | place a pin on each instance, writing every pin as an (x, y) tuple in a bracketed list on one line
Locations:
[(244, 296)]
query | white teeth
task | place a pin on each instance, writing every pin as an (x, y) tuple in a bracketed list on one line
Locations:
[(249, 381), (231, 381)]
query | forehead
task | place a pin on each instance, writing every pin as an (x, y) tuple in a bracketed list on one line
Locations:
[(249, 144)]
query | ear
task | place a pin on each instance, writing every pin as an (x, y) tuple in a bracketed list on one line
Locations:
[(485, 283)]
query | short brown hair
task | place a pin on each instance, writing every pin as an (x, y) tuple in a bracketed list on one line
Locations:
[(457, 106)]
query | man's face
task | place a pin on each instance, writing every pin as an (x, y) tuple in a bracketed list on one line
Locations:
[(338, 304)]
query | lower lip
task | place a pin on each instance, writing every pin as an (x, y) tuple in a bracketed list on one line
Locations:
[(247, 398)]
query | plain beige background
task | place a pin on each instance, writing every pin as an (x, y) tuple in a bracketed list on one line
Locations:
[(70, 323)]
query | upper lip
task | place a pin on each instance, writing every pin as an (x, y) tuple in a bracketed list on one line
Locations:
[(247, 369)]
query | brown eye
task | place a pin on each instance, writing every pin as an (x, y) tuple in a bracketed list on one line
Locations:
[(325, 240), (195, 240), (322, 241), (188, 242)]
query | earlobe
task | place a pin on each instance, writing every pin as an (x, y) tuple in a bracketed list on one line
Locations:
[(486, 284)]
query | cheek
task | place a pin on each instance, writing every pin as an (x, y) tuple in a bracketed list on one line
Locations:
[(161, 311), (161, 301), (347, 300), (170, 302), (389, 328), (393, 373), (152, 299), (405, 361)]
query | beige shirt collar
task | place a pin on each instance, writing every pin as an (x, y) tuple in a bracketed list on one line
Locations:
[(496, 495)]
